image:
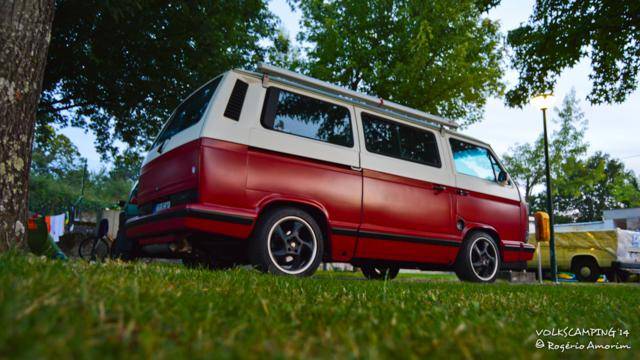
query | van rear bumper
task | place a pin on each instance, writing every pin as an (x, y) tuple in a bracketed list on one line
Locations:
[(191, 218), (516, 251)]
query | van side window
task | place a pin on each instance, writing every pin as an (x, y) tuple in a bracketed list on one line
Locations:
[(400, 141), (474, 160), (189, 112), (304, 116)]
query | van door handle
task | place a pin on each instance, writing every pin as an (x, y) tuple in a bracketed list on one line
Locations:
[(439, 187), (462, 192)]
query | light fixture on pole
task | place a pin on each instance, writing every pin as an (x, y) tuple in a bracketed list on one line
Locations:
[(543, 102)]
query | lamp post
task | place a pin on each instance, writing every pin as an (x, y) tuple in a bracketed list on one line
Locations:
[(543, 102)]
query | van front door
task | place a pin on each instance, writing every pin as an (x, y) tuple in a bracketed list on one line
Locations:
[(407, 193), (481, 199)]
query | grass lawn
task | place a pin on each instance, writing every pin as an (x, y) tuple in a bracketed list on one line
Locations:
[(68, 309)]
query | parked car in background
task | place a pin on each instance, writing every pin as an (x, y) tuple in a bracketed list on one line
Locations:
[(284, 171), (590, 254)]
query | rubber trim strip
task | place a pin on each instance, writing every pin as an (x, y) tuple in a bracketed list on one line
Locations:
[(518, 248), (343, 231), (394, 237), (201, 214)]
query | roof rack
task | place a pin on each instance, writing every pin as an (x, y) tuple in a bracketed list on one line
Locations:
[(367, 101)]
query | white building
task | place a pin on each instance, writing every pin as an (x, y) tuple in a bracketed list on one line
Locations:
[(628, 219)]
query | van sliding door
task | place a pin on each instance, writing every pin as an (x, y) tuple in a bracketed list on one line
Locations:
[(407, 193)]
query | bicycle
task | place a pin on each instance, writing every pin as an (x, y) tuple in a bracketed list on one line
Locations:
[(96, 247)]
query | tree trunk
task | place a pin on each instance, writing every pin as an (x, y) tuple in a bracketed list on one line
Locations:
[(25, 32)]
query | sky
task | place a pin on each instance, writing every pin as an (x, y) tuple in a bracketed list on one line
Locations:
[(613, 128)]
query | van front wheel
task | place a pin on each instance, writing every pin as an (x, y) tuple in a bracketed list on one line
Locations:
[(287, 241), (479, 259)]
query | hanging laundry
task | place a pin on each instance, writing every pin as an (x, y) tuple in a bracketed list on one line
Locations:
[(56, 228), (40, 241)]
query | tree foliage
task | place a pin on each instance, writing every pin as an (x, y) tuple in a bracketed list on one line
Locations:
[(566, 146), (560, 33), (118, 68), (283, 53), (58, 175), (53, 154), (440, 56), (610, 186), (583, 186)]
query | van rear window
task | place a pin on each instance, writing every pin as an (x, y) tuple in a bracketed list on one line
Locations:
[(189, 112), (307, 117)]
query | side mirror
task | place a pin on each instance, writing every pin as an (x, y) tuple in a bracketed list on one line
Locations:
[(503, 177)]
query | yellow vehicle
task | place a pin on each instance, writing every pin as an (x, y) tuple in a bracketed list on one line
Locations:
[(586, 254)]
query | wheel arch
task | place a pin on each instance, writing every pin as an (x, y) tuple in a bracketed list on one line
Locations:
[(470, 230), (317, 211), (579, 256)]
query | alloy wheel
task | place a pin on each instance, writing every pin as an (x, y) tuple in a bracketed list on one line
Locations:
[(292, 245), (484, 258)]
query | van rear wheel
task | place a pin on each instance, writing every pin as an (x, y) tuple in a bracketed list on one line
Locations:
[(478, 259), (287, 241)]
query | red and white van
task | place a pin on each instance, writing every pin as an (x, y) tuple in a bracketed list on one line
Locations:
[(284, 171)]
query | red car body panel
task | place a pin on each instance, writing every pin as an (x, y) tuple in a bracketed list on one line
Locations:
[(406, 219), (369, 214), (170, 173), (502, 214)]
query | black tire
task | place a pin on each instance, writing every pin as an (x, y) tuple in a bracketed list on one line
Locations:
[(287, 241), (380, 272), (101, 251), (478, 259), (123, 248), (623, 276), (85, 248), (586, 269), (92, 249)]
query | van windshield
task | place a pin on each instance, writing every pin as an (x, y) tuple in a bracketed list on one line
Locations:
[(189, 112)]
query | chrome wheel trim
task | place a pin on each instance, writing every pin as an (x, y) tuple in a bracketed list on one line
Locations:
[(483, 257), (285, 237)]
